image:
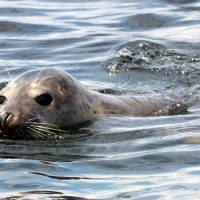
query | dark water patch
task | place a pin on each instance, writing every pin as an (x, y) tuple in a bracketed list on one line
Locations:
[(189, 9), (7, 10), (5, 44), (43, 195), (148, 21), (181, 1), (24, 11), (58, 42), (63, 153), (27, 54), (26, 28)]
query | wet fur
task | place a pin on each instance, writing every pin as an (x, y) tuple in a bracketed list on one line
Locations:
[(73, 103)]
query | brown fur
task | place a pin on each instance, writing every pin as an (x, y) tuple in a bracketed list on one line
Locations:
[(72, 102)]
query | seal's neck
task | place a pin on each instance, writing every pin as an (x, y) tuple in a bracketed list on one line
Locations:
[(134, 106), (110, 104)]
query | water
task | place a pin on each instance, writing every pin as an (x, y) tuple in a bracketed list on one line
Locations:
[(125, 48)]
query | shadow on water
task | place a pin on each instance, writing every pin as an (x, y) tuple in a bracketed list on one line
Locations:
[(148, 21)]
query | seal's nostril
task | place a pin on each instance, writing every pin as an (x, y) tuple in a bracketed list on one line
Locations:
[(4, 119)]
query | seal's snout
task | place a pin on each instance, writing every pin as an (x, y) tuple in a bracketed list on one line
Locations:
[(5, 120)]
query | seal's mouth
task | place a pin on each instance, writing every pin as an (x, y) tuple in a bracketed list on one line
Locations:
[(31, 131), (19, 132)]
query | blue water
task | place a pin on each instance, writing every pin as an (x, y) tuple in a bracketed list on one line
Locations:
[(121, 47)]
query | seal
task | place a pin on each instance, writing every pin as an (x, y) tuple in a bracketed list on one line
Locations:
[(39, 102)]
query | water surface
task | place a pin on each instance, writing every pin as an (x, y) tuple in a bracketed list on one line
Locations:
[(125, 48)]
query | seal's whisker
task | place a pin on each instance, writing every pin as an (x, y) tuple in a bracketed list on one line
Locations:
[(33, 118), (49, 128), (46, 131), (45, 78), (11, 78), (50, 133), (38, 75), (33, 133), (43, 124), (37, 132)]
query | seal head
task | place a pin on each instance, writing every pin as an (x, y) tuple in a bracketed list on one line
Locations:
[(39, 101)]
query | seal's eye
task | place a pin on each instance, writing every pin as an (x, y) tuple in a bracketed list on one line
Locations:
[(44, 99), (2, 99)]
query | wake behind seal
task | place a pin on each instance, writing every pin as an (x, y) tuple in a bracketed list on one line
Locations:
[(38, 103)]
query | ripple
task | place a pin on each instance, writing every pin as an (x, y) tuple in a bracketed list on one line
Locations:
[(24, 28), (134, 54), (189, 8), (148, 21), (149, 48), (22, 11), (151, 56), (181, 1)]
